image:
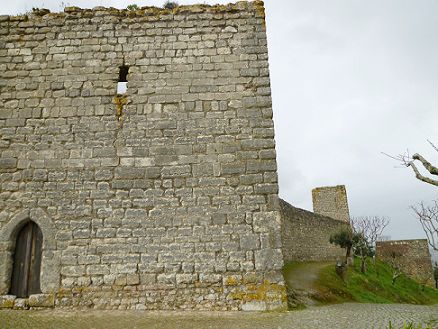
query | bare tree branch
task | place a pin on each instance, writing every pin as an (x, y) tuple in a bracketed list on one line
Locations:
[(404, 159), (433, 145), (370, 227), (393, 255), (428, 217), (407, 161), (426, 164), (419, 176)]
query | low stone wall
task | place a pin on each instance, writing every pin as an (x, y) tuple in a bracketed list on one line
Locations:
[(306, 235), (412, 256)]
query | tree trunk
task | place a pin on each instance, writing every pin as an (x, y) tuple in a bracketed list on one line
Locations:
[(348, 258), (363, 264)]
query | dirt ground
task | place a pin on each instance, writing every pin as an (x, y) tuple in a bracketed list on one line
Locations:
[(357, 316)]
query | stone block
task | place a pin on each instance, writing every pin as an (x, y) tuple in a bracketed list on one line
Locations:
[(21, 304), (254, 306), (8, 163), (268, 259), (249, 242), (7, 301), (176, 171), (129, 173), (41, 300)]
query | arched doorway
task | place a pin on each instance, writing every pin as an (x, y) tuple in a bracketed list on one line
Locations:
[(27, 261)]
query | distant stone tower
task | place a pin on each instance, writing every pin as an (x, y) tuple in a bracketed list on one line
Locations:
[(331, 201)]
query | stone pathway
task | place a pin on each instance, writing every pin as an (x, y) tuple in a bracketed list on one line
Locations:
[(357, 316)]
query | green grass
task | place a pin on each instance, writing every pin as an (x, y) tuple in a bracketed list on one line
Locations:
[(373, 287)]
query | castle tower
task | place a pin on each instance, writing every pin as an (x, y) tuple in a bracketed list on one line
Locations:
[(331, 201), (139, 145)]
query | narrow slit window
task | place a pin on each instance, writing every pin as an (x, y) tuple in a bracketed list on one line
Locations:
[(122, 84)]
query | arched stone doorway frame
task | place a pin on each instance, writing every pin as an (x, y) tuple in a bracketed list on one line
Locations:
[(50, 265)]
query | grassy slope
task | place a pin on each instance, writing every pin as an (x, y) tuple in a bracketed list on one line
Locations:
[(373, 287)]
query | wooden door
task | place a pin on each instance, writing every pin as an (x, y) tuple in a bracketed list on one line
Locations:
[(27, 261)]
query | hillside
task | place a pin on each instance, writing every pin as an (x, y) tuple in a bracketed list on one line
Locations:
[(318, 283)]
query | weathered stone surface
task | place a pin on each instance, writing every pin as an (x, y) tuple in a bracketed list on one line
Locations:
[(7, 301), (254, 306), (8, 163), (41, 300), (21, 304), (331, 201), (146, 200)]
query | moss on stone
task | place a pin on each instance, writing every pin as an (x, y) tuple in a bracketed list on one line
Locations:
[(265, 291), (120, 101), (7, 303)]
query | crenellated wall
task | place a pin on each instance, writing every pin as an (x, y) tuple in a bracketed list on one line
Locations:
[(161, 198), (411, 256)]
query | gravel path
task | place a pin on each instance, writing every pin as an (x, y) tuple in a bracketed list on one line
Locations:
[(355, 316)]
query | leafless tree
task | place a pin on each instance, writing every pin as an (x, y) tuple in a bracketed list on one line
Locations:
[(393, 255), (410, 161), (370, 228), (428, 217), (396, 270)]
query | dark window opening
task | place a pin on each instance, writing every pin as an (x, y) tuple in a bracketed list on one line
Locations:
[(123, 75)]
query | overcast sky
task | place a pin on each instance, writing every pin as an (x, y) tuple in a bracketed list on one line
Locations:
[(350, 79)]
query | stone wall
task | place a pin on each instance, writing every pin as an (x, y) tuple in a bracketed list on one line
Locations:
[(412, 256), (331, 201), (306, 235), (162, 198)]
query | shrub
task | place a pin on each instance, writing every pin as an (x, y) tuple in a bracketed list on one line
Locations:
[(132, 7), (170, 4)]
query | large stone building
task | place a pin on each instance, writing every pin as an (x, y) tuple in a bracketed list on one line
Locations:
[(163, 197), (138, 166)]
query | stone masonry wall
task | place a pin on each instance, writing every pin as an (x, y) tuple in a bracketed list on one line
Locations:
[(162, 198), (412, 256), (331, 201), (306, 235)]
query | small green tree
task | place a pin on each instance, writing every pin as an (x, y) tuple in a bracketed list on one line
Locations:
[(170, 5), (344, 239), (132, 7), (362, 249)]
